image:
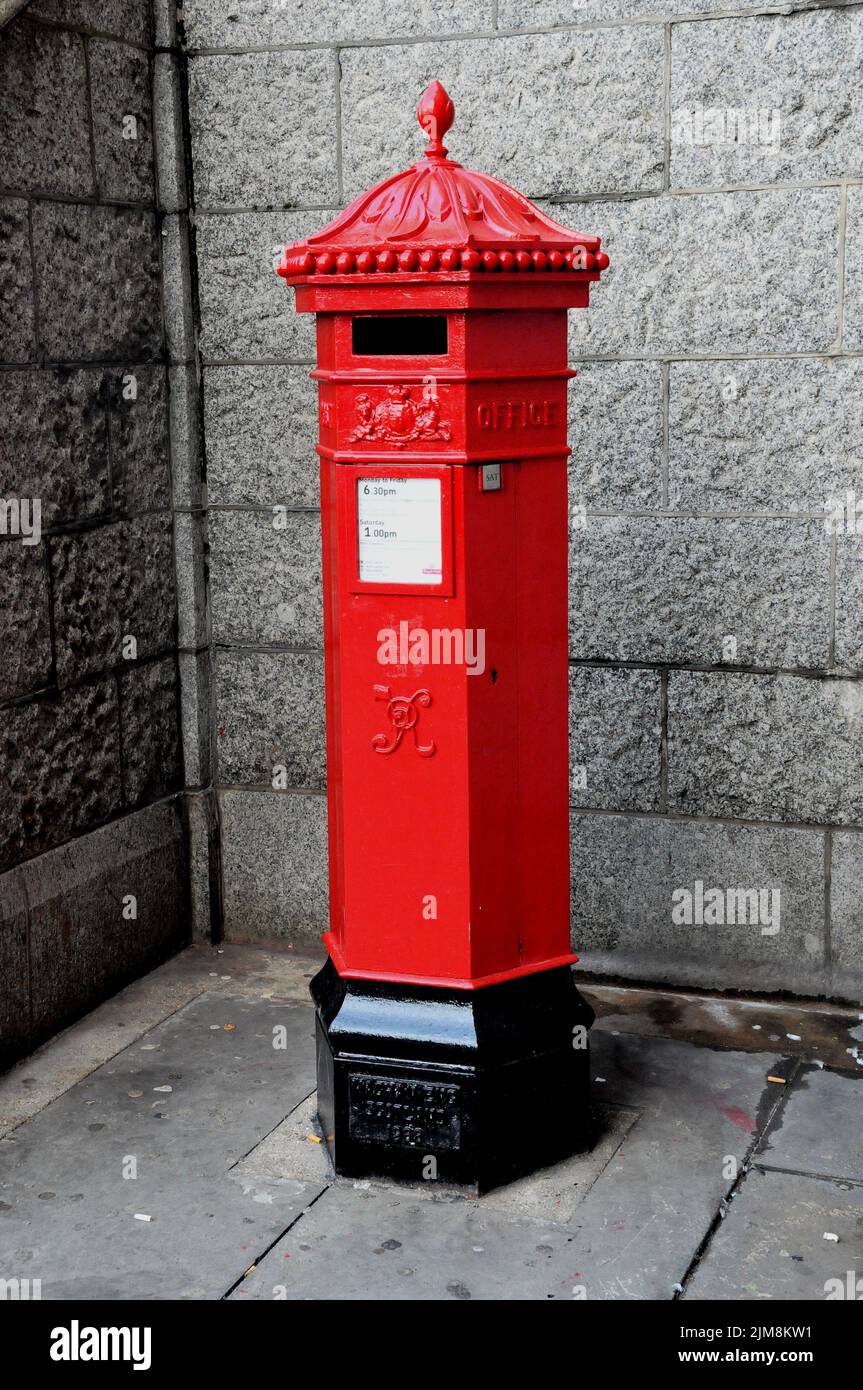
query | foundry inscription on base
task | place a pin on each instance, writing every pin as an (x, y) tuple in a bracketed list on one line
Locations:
[(404, 1113)]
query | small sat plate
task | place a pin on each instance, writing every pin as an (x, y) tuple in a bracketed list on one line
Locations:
[(490, 477)]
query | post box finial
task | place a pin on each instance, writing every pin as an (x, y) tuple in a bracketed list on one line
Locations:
[(435, 113)]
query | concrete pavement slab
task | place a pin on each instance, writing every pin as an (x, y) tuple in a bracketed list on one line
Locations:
[(152, 1134), (811, 1029), (820, 1130), (634, 1236), (241, 1201), (360, 1241), (260, 972), (294, 1151), (772, 1243), (649, 1211)]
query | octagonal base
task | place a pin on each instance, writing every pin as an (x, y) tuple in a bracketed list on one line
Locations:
[(474, 1087)]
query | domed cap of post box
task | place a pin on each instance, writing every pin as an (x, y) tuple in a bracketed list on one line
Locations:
[(442, 221)]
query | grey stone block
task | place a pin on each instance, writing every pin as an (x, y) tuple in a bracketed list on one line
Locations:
[(121, 101), (846, 916), (185, 429), (614, 738), (54, 442), (111, 584), (196, 718), (761, 100), (668, 589), (25, 620), (526, 14), (225, 24), (773, 1218), (274, 863), (853, 320), (615, 432), (44, 122), (85, 945), (140, 464), (246, 310), (575, 112), (752, 436), (97, 278), (767, 747), (849, 595), (61, 770), (265, 584), (16, 283), (171, 188), (14, 969), (626, 871), (270, 719), (763, 266), (202, 832), (126, 19), (262, 428), (189, 560), (177, 288), (150, 721), (264, 128)]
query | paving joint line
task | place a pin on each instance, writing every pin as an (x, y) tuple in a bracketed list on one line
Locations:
[(264, 1137), (259, 1258), (745, 1168), (766, 1168)]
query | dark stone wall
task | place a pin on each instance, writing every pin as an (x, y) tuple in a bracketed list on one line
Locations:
[(92, 886)]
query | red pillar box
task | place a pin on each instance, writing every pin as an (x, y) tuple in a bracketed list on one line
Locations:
[(452, 1042)]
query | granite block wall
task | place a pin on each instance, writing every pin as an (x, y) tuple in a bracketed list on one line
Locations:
[(93, 862), (716, 426)]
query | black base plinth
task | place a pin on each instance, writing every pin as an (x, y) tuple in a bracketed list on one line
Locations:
[(474, 1087)]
